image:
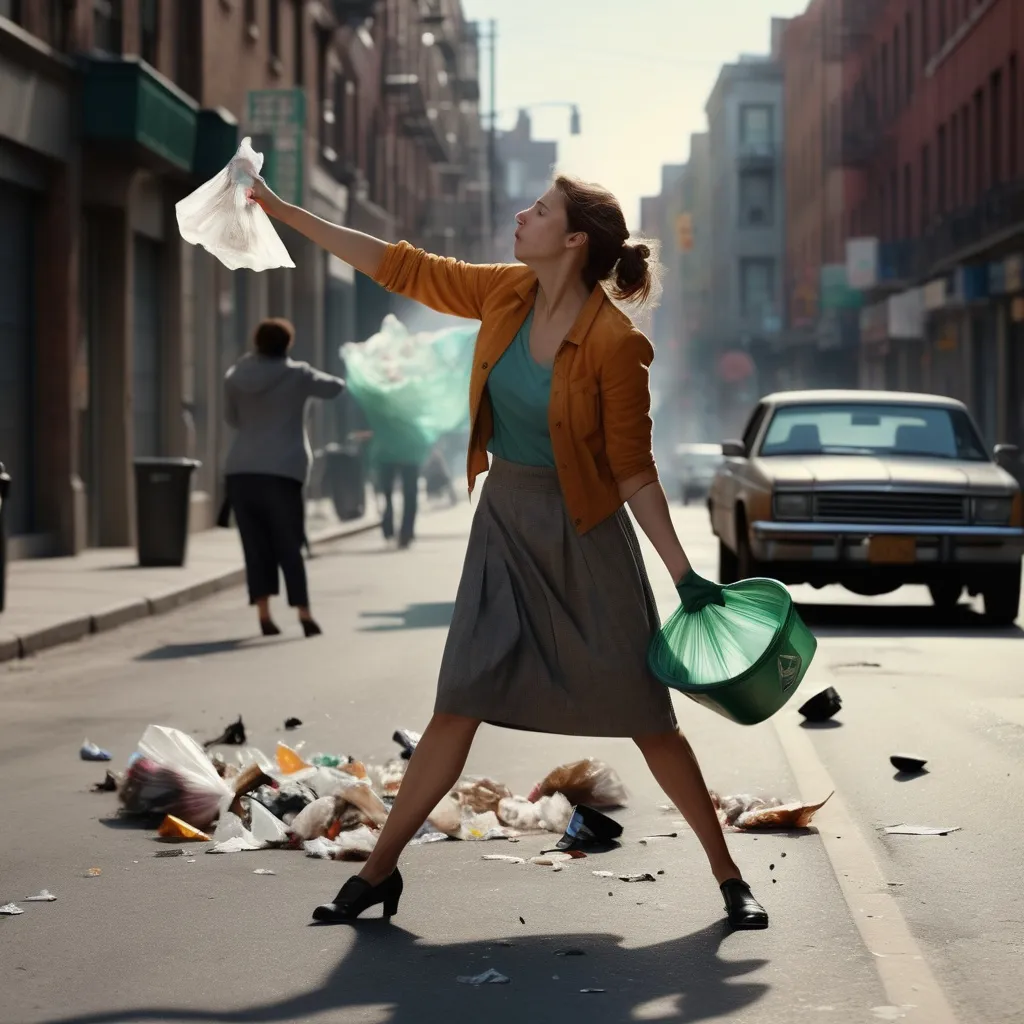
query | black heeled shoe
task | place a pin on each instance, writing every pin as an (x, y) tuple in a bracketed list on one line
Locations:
[(357, 895), (742, 910), (269, 628), (310, 627)]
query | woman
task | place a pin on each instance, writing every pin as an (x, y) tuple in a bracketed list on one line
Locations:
[(265, 396), (554, 612)]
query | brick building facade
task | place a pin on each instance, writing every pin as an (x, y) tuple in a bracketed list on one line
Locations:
[(929, 128), (114, 335)]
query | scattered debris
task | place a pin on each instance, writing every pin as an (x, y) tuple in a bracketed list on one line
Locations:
[(264, 871), (555, 860), (90, 752), (592, 991), (11, 910), (45, 896), (169, 853), (522, 920), (603, 874), (588, 782), (232, 736), (822, 706), (920, 830), (292, 723), (407, 740), (491, 977), (94, 872), (666, 835), (589, 827), (907, 763), (748, 812), (108, 785), (175, 828), (644, 877), (504, 858)]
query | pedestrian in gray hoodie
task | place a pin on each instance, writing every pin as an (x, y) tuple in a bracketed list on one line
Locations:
[(265, 397)]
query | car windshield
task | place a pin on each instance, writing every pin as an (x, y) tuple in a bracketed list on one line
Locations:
[(861, 428)]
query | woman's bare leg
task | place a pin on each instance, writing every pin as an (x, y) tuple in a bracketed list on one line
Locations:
[(674, 764), (435, 767)]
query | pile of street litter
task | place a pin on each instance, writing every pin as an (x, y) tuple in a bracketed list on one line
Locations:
[(746, 812), (330, 806)]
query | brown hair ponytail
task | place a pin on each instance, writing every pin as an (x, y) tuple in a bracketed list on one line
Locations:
[(631, 267)]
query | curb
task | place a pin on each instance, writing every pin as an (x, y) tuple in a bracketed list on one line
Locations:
[(115, 616)]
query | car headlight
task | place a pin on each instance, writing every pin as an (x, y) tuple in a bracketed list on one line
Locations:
[(993, 511), (793, 506)]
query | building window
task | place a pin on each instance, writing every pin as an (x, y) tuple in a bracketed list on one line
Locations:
[(250, 13), (925, 40), (908, 201), (996, 131), (60, 24), (757, 200), (187, 52), (299, 43), (897, 69), (926, 173), (908, 69), (954, 161), (274, 29), (107, 25), (979, 143), (11, 9), (757, 287), (1013, 135), (941, 168), (756, 126), (965, 149), (149, 29)]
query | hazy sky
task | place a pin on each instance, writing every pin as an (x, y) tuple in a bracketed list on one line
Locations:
[(640, 72)]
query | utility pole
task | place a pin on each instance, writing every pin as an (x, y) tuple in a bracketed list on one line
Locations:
[(492, 148)]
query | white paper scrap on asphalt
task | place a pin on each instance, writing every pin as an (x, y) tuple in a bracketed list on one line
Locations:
[(920, 830)]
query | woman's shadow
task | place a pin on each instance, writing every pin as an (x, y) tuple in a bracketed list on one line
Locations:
[(389, 967)]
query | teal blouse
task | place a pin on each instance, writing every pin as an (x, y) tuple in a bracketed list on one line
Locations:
[(520, 392)]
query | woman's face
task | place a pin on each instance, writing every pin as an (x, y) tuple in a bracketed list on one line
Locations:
[(542, 231)]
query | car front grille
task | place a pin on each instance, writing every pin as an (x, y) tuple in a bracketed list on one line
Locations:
[(889, 507)]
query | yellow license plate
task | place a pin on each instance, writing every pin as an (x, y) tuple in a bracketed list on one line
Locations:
[(892, 550)]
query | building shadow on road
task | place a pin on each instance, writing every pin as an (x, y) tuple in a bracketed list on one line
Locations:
[(435, 615), (886, 620), (413, 981)]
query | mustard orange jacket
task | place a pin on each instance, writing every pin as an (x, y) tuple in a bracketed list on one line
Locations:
[(600, 409)]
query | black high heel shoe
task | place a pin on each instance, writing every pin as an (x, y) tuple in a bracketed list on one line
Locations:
[(310, 628), (269, 628), (742, 910), (357, 895)]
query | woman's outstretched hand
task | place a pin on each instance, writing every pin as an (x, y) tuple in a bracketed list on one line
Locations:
[(263, 195), (695, 592)]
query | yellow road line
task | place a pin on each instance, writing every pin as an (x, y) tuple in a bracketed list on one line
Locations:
[(902, 968)]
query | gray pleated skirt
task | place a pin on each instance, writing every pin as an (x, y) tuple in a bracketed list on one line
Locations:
[(550, 629)]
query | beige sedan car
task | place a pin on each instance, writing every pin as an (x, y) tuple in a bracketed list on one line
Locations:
[(871, 490)]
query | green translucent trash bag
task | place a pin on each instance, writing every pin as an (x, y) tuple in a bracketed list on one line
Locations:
[(744, 660), (412, 387)]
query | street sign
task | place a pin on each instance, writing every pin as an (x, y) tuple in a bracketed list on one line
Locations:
[(280, 116)]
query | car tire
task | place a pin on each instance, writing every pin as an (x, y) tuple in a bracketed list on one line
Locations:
[(727, 569), (1001, 592), (945, 595)]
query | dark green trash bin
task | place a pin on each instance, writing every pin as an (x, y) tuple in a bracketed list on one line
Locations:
[(346, 480), (162, 497)]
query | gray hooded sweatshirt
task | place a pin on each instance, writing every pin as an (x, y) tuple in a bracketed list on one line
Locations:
[(265, 401)]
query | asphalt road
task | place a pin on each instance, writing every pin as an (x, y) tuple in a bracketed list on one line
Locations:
[(204, 939)]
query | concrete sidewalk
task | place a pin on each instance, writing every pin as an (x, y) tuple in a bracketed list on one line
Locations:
[(53, 601)]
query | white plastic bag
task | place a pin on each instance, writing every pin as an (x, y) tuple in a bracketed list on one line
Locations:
[(204, 793), (220, 218)]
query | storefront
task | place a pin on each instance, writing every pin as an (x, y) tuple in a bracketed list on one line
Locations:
[(892, 333), (17, 353), (1013, 280)]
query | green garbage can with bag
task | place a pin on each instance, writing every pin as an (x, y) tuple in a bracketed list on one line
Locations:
[(740, 650)]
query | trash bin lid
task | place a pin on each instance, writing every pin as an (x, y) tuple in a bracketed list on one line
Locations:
[(152, 460)]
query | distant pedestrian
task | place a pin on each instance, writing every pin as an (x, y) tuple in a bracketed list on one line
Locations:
[(554, 613), (397, 453), (437, 478), (265, 398)]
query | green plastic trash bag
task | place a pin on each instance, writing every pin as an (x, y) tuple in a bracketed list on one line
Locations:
[(413, 388), (743, 658)]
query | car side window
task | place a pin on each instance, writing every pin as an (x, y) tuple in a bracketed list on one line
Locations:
[(753, 427)]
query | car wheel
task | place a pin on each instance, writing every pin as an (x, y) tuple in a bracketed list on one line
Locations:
[(1001, 592), (727, 571), (945, 595)]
